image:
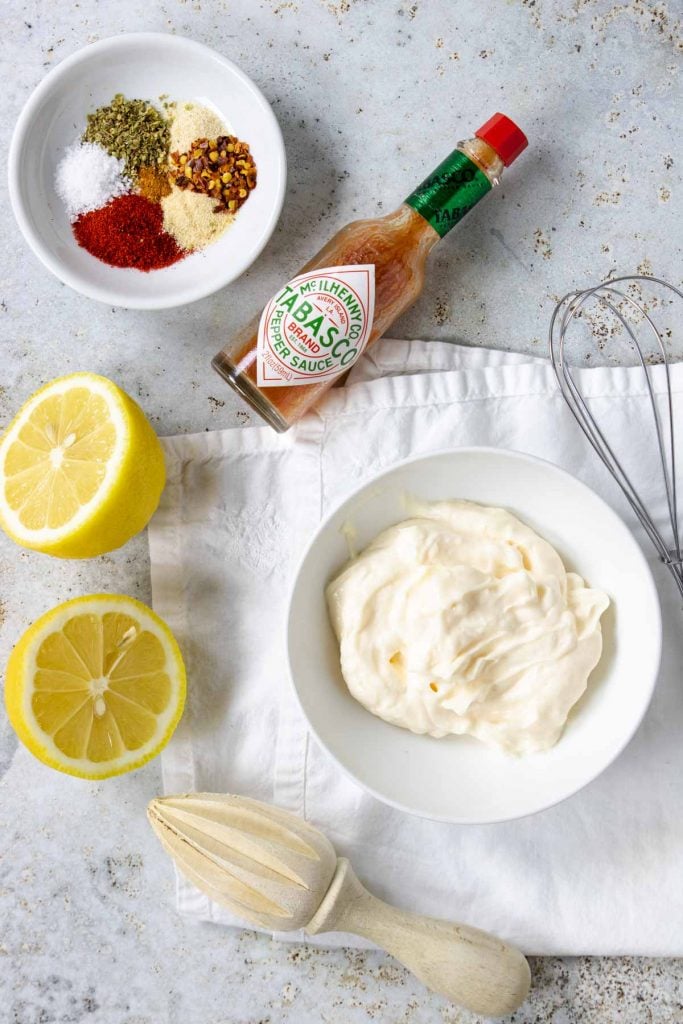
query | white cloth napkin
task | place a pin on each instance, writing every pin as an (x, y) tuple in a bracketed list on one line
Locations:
[(598, 874)]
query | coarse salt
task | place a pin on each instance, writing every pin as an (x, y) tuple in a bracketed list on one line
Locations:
[(87, 178)]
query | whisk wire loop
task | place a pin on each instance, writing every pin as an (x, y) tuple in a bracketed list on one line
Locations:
[(567, 310)]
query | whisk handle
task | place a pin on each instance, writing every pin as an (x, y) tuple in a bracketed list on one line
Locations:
[(463, 964)]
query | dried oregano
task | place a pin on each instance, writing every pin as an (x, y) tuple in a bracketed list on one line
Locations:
[(132, 130)]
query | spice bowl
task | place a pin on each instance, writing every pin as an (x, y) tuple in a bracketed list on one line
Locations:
[(162, 69)]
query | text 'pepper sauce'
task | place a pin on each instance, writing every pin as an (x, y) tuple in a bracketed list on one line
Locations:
[(318, 324)]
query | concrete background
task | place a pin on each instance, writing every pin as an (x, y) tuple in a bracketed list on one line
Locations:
[(370, 95)]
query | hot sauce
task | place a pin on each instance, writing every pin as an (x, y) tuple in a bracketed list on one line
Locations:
[(317, 325)]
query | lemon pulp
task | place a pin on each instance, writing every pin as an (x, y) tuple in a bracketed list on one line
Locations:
[(81, 469), (97, 686), (59, 459)]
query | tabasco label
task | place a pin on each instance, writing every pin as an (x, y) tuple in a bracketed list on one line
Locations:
[(316, 327)]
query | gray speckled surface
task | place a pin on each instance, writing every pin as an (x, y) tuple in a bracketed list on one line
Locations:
[(370, 95)]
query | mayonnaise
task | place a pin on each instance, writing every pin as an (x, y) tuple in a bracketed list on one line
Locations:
[(463, 620)]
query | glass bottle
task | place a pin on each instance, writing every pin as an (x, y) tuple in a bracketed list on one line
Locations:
[(350, 293)]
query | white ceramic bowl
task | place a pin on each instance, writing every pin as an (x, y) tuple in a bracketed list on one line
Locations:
[(142, 66), (458, 779)]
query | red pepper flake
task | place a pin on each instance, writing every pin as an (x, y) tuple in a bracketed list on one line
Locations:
[(128, 232)]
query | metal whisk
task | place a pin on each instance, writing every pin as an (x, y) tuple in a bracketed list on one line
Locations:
[(608, 296)]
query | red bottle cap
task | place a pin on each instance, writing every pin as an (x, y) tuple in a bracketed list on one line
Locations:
[(504, 136)]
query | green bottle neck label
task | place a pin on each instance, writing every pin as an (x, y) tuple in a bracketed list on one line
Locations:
[(449, 192)]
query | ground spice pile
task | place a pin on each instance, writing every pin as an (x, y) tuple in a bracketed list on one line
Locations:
[(191, 219), (153, 183), (189, 121), (128, 232)]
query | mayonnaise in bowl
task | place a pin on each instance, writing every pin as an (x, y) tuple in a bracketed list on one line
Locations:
[(461, 619)]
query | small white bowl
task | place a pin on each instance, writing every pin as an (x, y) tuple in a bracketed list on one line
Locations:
[(142, 66), (458, 779)]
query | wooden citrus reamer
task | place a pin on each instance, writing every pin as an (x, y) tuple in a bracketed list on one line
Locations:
[(271, 868)]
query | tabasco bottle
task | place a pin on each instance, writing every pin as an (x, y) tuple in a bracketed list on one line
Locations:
[(318, 324)]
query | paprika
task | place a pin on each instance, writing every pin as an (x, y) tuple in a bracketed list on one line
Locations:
[(128, 232)]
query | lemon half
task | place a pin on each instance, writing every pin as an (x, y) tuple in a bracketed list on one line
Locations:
[(81, 469), (96, 686)]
